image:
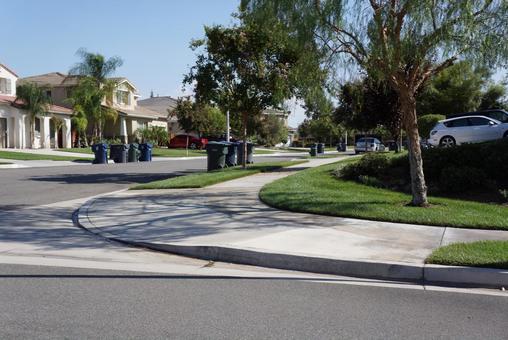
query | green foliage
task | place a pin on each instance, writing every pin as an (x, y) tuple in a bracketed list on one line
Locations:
[(246, 69), (494, 98), (368, 103), (456, 89), (456, 179), (94, 87), (459, 170), (427, 122), (272, 130), (156, 135), (35, 100), (202, 118)]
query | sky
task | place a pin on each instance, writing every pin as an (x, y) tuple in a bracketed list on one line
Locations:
[(151, 36)]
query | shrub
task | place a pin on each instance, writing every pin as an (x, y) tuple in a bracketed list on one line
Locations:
[(156, 135), (427, 122), (372, 165), (462, 179)]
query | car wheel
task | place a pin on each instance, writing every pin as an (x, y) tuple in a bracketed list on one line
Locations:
[(447, 142), (193, 146)]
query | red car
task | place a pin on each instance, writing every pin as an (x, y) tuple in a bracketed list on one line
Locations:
[(180, 141)]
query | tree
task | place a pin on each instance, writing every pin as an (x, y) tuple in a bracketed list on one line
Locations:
[(405, 42), (94, 87), (35, 100), (272, 130), (80, 122), (494, 98), (456, 89), (245, 69), (323, 129), (203, 119)]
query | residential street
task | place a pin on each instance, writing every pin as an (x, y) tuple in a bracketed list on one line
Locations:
[(50, 303), (189, 298)]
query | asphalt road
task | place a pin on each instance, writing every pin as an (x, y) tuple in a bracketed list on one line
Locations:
[(36, 186), (47, 302)]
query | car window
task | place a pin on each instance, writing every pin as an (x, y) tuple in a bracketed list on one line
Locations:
[(477, 121), (457, 123), (498, 115)]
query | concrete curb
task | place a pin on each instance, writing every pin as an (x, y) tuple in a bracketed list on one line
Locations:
[(454, 275)]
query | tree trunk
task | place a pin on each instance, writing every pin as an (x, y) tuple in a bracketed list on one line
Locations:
[(418, 186), (244, 160)]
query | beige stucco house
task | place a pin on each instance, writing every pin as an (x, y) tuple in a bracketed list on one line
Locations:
[(131, 116), (15, 121)]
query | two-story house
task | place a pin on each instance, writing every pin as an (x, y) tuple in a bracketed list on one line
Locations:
[(131, 116), (15, 121)]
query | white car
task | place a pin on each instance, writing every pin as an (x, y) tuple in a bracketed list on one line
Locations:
[(468, 129), (368, 144)]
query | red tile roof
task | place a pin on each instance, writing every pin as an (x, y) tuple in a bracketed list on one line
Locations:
[(18, 103)]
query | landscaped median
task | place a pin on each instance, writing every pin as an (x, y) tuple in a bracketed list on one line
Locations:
[(203, 179), (24, 156)]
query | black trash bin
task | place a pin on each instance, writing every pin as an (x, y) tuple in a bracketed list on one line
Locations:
[(232, 153), (341, 147), (313, 150), (250, 153), (320, 148), (146, 152), (216, 155), (133, 153), (118, 153), (101, 153)]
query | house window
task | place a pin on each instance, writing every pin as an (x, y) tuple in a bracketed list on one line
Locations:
[(48, 93), (122, 97), (5, 86)]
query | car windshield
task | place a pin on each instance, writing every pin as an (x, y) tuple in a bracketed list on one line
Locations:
[(499, 115), (368, 140)]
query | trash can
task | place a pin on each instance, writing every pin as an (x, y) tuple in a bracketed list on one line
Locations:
[(216, 155), (146, 152), (250, 153), (101, 153), (118, 153), (232, 153), (313, 150), (341, 147), (133, 152), (320, 148)]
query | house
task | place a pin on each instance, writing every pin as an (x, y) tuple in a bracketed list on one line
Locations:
[(131, 116), (15, 121), (164, 105)]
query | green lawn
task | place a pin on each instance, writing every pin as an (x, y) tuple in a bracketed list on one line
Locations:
[(491, 254), (164, 152), (37, 157), (317, 191), (203, 179)]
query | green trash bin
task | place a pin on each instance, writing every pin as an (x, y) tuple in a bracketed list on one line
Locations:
[(216, 155), (134, 153)]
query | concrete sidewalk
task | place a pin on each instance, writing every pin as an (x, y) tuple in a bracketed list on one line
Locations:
[(227, 222)]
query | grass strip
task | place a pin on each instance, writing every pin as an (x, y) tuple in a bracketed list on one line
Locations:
[(203, 179), (490, 254), (317, 191), (23, 156)]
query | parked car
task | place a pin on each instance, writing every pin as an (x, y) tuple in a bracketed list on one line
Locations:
[(497, 114), (468, 129), (368, 144), (180, 141)]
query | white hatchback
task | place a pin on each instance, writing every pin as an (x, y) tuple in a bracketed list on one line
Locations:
[(469, 129), (368, 144)]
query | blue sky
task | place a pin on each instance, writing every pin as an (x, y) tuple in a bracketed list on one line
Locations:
[(151, 36)]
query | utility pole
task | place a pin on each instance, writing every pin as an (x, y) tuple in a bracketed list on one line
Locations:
[(227, 126)]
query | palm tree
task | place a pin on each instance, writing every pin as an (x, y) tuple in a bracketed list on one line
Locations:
[(35, 100), (94, 87)]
